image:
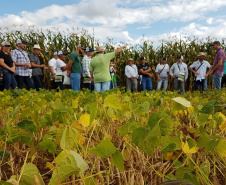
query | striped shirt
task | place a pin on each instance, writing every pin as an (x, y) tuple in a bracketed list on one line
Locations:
[(20, 56)]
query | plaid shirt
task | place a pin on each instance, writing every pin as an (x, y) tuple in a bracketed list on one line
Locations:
[(86, 66), (20, 56)]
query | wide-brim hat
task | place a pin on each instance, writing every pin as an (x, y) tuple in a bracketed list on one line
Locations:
[(201, 54), (130, 59), (36, 46), (99, 49), (6, 43)]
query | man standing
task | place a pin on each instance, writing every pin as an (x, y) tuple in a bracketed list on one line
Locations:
[(218, 65), (200, 72), (52, 68), (86, 66), (179, 73), (145, 70), (22, 62), (100, 68), (75, 68), (131, 73), (162, 73), (37, 74), (61, 68)]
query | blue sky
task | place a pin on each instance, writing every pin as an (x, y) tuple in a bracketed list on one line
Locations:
[(127, 21)]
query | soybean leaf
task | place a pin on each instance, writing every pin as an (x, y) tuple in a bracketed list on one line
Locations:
[(117, 160)]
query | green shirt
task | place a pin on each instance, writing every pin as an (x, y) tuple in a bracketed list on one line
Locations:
[(225, 67), (100, 66), (76, 66)]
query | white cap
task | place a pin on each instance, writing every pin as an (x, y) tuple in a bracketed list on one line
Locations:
[(55, 53), (61, 53), (19, 41)]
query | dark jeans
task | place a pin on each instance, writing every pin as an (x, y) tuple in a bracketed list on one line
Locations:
[(223, 81), (200, 85), (60, 85), (37, 81), (87, 85), (21, 80), (8, 80)]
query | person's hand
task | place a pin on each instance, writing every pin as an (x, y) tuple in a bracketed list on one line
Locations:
[(132, 78), (28, 65), (46, 68), (54, 77), (158, 78), (206, 75), (42, 66), (196, 73), (92, 80), (185, 80), (13, 70), (68, 73)]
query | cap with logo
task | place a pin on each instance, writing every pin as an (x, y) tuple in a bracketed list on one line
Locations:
[(180, 57), (21, 41), (61, 53), (142, 58), (164, 58), (88, 49)]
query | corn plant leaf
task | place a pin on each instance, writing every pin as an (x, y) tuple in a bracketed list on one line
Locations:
[(117, 160), (104, 149)]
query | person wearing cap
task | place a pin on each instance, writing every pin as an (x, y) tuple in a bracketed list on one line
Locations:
[(131, 73), (8, 66), (145, 70), (23, 65), (218, 66), (99, 68), (61, 70), (179, 73), (75, 68), (37, 73), (200, 72), (52, 69), (86, 66), (113, 71), (162, 73)]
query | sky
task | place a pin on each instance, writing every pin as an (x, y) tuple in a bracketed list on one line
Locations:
[(128, 21)]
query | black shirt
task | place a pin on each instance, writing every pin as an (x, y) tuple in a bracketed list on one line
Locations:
[(144, 67), (7, 59)]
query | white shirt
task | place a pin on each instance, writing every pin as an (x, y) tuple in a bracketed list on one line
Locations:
[(52, 63), (131, 71), (202, 69), (164, 72), (176, 68), (60, 63)]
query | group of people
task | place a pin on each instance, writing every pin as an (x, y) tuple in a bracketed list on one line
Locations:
[(99, 72)]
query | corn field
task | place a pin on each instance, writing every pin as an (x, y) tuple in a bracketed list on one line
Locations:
[(51, 41)]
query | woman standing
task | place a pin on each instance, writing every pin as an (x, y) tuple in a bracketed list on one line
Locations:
[(8, 66)]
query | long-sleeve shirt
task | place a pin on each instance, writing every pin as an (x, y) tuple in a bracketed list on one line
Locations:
[(131, 71), (176, 68)]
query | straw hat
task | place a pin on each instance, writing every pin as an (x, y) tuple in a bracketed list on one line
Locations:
[(201, 54), (99, 49), (130, 59), (36, 46)]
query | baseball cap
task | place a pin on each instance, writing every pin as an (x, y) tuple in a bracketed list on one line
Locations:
[(88, 49), (142, 58), (164, 58), (55, 53), (215, 42), (180, 57), (6, 43), (21, 41), (61, 53), (81, 46)]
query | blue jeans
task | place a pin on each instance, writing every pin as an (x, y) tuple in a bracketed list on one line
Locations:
[(217, 81), (21, 80), (75, 81), (201, 85), (115, 85), (102, 86), (9, 80), (146, 83), (163, 82)]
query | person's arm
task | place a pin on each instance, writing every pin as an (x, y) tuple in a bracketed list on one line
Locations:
[(2, 63), (64, 68), (192, 70), (157, 74), (171, 72), (210, 68), (91, 78), (126, 72), (117, 51), (52, 72), (219, 64), (186, 73), (36, 65)]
